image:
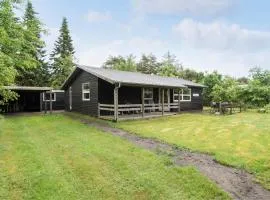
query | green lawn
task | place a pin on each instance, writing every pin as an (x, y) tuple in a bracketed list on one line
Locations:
[(55, 157), (241, 140)]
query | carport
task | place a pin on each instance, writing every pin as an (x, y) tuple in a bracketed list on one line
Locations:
[(29, 99)]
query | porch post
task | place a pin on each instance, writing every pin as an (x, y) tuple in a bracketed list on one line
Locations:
[(169, 99), (115, 103), (50, 102), (162, 99), (98, 110), (45, 102), (40, 101), (142, 102), (179, 104)]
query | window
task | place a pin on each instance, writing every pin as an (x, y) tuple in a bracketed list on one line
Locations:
[(185, 95), (46, 96), (86, 91), (148, 94)]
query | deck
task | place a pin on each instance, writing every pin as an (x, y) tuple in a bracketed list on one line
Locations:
[(135, 116)]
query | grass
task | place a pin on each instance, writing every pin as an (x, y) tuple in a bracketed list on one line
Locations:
[(55, 157), (240, 140)]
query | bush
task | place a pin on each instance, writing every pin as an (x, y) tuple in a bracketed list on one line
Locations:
[(267, 108)]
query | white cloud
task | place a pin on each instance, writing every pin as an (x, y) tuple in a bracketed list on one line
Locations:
[(221, 36), (95, 16), (202, 59), (97, 55), (182, 6)]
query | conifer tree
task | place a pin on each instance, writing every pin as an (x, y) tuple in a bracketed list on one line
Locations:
[(62, 56), (34, 46)]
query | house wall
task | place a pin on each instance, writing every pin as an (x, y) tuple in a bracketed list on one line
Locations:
[(196, 102), (59, 104), (102, 92), (78, 105), (132, 95)]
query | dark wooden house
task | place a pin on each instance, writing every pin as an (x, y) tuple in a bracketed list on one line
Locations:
[(118, 95), (34, 99)]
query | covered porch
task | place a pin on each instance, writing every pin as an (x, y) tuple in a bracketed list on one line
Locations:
[(124, 102)]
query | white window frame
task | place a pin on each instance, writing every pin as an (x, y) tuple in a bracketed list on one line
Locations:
[(53, 96), (148, 91), (182, 95), (85, 91)]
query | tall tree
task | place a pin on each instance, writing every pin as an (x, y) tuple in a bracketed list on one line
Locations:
[(226, 90), (192, 75), (169, 66), (34, 46), (121, 63), (210, 81), (148, 64), (62, 56), (12, 56)]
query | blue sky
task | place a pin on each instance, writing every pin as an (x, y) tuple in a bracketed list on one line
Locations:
[(206, 35)]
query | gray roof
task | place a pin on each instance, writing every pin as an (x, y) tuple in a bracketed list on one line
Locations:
[(136, 78), (15, 87)]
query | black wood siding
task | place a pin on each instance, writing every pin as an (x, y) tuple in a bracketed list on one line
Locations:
[(78, 105), (56, 105), (196, 103), (102, 92)]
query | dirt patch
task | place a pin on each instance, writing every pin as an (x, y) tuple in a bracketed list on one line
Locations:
[(238, 183)]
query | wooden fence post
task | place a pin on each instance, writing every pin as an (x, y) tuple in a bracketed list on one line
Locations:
[(179, 100), (162, 101), (116, 103), (45, 102), (40, 101), (50, 102), (98, 110), (142, 102)]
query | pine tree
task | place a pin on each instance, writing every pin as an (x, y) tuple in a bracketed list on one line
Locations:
[(148, 64), (34, 46), (62, 56)]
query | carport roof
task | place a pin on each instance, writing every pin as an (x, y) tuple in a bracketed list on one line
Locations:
[(27, 88)]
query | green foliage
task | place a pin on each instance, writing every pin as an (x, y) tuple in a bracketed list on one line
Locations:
[(169, 66), (148, 64), (61, 72), (34, 46), (191, 75), (210, 81), (11, 49), (226, 91), (121, 63), (62, 56), (257, 91)]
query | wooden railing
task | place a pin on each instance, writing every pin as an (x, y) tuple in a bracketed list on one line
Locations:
[(136, 107)]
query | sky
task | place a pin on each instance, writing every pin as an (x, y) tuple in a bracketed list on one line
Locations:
[(229, 36)]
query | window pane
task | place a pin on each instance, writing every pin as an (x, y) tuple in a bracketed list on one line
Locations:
[(86, 96), (186, 98), (86, 86), (47, 97), (186, 91)]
